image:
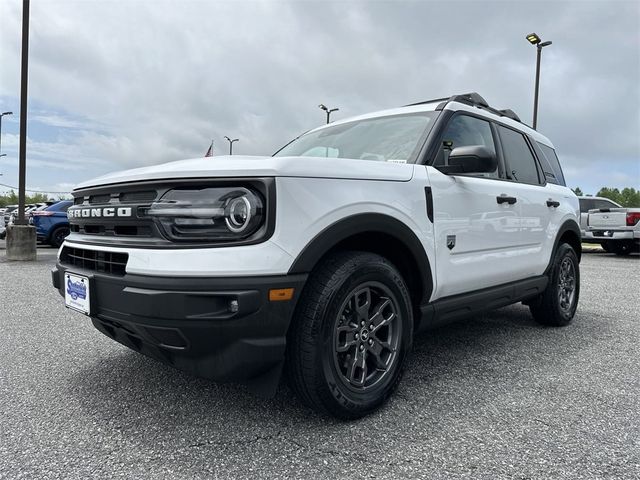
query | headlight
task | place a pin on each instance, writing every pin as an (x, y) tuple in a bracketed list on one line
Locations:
[(209, 214)]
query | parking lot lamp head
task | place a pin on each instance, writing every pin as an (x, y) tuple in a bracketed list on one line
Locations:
[(231, 143), (533, 38), (322, 106)]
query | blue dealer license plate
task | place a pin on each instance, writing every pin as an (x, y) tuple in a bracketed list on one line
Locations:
[(76, 293)]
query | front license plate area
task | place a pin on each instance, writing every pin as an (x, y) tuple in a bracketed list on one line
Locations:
[(76, 293)]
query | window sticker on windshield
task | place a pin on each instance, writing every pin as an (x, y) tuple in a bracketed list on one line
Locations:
[(396, 160)]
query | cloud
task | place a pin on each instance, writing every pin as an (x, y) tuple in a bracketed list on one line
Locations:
[(124, 84)]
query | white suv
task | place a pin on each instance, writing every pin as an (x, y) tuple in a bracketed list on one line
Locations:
[(329, 256)]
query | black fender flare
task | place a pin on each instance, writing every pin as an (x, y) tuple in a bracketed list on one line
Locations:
[(364, 223), (567, 226)]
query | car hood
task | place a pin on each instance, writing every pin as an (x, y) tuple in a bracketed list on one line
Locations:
[(246, 166)]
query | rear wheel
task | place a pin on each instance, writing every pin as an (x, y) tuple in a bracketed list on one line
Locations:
[(557, 304), (58, 236), (624, 247), (351, 334)]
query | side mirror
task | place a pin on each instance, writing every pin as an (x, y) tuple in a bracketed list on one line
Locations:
[(471, 159)]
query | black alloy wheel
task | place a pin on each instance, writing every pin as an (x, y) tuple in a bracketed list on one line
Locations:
[(367, 335), (58, 236)]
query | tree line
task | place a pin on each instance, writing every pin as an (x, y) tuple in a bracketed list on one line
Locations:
[(11, 198), (627, 197)]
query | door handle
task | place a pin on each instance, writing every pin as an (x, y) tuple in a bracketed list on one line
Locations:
[(553, 203), (506, 199)]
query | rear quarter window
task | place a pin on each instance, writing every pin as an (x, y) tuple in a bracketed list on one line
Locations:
[(550, 163)]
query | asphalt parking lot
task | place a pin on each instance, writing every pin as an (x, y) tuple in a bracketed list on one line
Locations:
[(495, 396)]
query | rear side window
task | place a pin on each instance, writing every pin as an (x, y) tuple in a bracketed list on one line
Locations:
[(549, 154), (586, 204), (598, 203), (521, 163)]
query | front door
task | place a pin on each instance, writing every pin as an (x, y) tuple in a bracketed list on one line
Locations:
[(477, 218)]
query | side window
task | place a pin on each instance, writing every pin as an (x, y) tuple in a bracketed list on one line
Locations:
[(586, 204), (604, 204), (464, 131), (551, 157), (521, 163)]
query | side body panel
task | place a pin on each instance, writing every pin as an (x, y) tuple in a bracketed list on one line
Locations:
[(541, 223)]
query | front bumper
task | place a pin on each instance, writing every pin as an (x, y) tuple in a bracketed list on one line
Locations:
[(193, 323)]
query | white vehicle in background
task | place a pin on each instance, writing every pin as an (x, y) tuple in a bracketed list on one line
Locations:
[(617, 229), (589, 203)]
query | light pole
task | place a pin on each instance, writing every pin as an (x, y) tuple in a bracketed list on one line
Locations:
[(323, 107), (231, 143), (2, 115), (534, 39)]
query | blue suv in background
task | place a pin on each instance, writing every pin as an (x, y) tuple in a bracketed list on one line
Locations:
[(52, 224)]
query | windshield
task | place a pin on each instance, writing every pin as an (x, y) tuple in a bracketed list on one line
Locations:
[(384, 139)]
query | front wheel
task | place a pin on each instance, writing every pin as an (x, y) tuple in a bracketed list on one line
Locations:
[(351, 334), (557, 304), (608, 246)]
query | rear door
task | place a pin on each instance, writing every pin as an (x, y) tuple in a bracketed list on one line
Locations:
[(476, 221), (538, 200)]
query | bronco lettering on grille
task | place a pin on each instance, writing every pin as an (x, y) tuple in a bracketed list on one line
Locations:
[(99, 212)]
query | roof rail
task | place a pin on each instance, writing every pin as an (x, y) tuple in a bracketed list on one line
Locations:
[(473, 99), (476, 100), (510, 114), (427, 101)]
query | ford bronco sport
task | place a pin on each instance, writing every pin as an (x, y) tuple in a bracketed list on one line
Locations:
[(326, 259)]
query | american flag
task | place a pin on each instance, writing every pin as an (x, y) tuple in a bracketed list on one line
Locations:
[(210, 151)]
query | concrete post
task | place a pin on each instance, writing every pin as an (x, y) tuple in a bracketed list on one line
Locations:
[(21, 242)]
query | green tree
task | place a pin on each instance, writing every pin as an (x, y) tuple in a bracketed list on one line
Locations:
[(578, 191), (610, 193), (630, 197)]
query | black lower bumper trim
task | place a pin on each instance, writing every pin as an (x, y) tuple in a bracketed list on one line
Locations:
[(225, 329)]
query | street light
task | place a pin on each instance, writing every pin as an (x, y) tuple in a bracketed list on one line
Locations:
[(323, 107), (231, 143), (2, 115), (534, 39)]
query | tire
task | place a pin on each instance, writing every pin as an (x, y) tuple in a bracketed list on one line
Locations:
[(624, 247), (57, 236), (336, 362), (608, 246), (557, 304)]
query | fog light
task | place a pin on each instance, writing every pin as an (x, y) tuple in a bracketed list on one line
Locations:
[(233, 306)]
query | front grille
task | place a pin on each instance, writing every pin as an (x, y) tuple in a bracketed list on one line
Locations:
[(135, 198), (113, 263)]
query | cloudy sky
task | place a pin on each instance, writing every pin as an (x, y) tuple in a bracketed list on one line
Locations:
[(120, 84)]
